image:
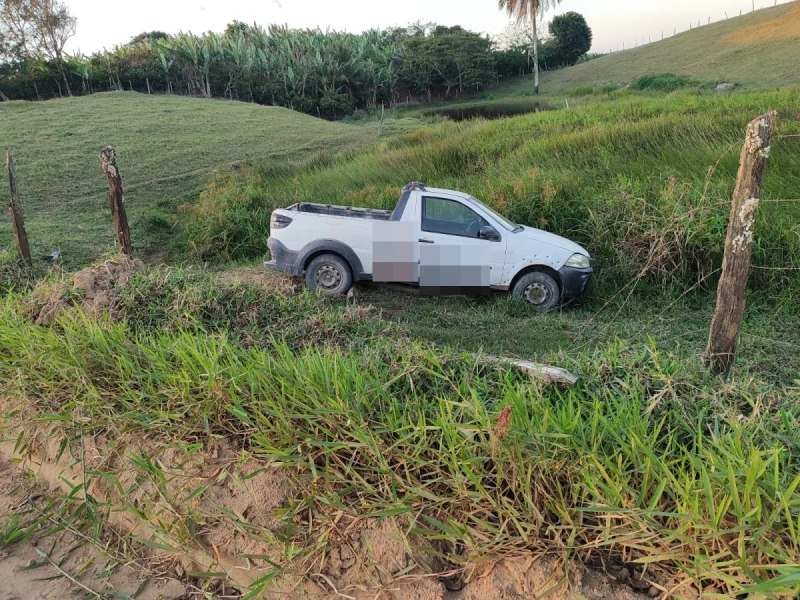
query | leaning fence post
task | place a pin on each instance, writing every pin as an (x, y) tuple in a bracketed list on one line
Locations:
[(723, 337), (15, 211), (116, 198)]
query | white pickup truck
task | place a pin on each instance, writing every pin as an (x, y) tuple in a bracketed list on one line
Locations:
[(445, 242)]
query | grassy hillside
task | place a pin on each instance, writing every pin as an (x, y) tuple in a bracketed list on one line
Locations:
[(761, 49), (167, 146), (643, 182)]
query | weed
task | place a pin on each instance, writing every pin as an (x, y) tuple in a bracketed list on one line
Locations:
[(12, 530), (175, 299), (666, 82)]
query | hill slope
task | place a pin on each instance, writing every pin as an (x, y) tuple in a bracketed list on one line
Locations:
[(168, 146), (760, 50)]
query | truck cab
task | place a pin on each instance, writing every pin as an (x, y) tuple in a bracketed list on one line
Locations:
[(444, 241)]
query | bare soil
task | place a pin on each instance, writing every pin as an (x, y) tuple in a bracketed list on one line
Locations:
[(65, 565)]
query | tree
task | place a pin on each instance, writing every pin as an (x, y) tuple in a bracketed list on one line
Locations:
[(54, 26), (16, 30), (236, 28), (37, 27), (522, 10), (148, 36), (572, 37)]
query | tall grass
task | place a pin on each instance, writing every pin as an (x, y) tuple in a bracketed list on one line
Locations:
[(664, 82), (645, 459), (643, 182)]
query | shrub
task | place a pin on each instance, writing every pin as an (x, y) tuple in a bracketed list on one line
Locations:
[(572, 37), (336, 106), (666, 82)]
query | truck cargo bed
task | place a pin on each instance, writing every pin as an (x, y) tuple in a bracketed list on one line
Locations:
[(371, 214)]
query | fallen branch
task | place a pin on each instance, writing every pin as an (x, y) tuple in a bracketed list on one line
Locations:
[(546, 373)]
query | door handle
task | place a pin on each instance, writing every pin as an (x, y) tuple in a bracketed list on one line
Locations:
[(424, 241)]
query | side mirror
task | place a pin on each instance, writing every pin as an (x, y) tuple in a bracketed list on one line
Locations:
[(487, 232)]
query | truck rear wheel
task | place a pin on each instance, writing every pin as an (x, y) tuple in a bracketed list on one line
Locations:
[(329, 275), (538, 290)]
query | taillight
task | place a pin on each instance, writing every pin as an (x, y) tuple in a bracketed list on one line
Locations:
[(279, 221)]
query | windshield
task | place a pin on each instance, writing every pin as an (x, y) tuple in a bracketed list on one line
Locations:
[(500, 218)]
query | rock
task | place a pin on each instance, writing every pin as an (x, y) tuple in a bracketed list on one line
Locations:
[(725, 87)]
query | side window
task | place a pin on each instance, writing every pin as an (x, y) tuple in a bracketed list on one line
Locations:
[(450, 217)]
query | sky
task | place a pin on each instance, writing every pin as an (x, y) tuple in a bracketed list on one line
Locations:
[(103, 24)]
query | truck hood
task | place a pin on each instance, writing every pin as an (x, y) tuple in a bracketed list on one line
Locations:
[(545, 237)]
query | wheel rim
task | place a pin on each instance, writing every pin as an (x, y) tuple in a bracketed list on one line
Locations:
[(328, 277), (536, 294)]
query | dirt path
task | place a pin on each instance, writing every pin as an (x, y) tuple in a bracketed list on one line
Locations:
[(63, 565)]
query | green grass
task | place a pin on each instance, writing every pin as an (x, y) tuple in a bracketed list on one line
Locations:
[(168, 147), (643, 182), (758, 50), (676, 325), (11, 530), (648, 458)]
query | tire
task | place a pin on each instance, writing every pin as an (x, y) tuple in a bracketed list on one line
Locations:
[(538, 290), (329, 275)]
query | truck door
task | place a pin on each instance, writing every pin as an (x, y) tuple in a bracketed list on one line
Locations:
[(459, 250)]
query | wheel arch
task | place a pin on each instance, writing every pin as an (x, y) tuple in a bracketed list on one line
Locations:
[(343, 251), (538, 269)]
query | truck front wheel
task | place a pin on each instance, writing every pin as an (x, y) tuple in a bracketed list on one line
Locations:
[(538, 290), (329, 275)]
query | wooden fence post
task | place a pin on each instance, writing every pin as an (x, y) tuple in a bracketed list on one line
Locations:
[(116, 198), (732, 286), (15, 211)]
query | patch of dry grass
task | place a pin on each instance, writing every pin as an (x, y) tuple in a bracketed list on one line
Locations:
[(780, 28)]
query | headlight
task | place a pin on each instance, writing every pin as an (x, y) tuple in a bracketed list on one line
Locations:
[(579, 261)]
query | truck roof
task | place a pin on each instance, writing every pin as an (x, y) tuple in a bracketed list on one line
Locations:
[(421, 187), (455, 193)]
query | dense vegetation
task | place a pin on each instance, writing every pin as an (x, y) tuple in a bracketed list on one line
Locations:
[(325, 73), (643, 182), (570, 39)]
